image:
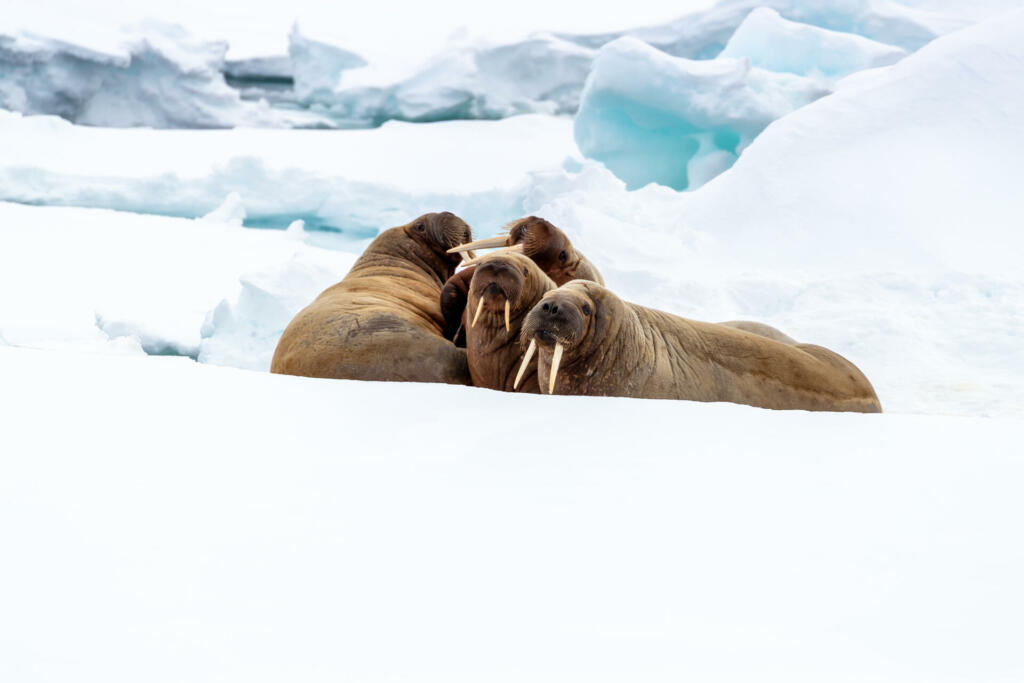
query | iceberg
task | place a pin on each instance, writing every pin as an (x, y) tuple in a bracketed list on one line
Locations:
[(162, 78), (703, 34), (542, 74), (777, 44), (651, 117)]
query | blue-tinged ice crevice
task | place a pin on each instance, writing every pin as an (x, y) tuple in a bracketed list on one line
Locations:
[(160, 77), (650, 117), (777, 44)]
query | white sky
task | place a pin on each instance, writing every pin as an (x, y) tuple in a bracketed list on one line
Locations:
[(404, 28)]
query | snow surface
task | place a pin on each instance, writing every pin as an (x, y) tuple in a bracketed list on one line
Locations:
[(777, 44), (244, 526), (651, 117)]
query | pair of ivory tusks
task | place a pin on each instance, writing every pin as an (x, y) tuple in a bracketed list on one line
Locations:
[(517, 248), (480, 308), (556, 360)]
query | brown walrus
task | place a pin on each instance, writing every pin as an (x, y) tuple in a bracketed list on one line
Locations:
[(589, 341), (383, 320), (503, 289), (535, 237), (548, 246)]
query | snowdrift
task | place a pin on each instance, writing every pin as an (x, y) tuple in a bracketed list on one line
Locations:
[(244, 526)]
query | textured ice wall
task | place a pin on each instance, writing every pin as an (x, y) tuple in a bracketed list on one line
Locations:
[(161, 79), (651, 117)]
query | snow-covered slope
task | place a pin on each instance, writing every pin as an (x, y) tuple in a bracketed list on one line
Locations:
[(909, 166), (167, 521)]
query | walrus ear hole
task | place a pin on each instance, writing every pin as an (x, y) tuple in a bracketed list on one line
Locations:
[(586, 309), (562, 256)]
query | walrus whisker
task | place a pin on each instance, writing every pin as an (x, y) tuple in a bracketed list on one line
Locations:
[(479, 308), (508, 305), (488, 243), (526, 361), (555, 360)]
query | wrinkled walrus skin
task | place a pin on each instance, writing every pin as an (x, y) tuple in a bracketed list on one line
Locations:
[(614, 348), (492, 348), (383, 320)]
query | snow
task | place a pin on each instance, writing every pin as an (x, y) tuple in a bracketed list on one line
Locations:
[(651, 117), (357, 181), (777, 44), (159, 76), (244, 526), (124, 283)]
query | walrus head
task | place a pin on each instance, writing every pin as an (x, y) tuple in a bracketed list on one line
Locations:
[(546, 245), (566, 321), (505, 285), (428, 239)]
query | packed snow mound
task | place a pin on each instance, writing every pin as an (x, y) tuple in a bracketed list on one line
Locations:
[(651, 117), (703, 34), (541, 74), (917, 159), (163, 78), (777, 44), (353, 181)]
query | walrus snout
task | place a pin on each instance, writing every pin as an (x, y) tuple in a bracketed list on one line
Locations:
[(555, 320)]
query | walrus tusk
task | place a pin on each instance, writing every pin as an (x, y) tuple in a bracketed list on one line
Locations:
[(555, 360), (526, 361), (489, 243), (517, 248), (459, 329), (479, 307), (508, 304), (468, 256)]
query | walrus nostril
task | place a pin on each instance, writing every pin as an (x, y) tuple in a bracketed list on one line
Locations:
[(545, 307), (554, 308)]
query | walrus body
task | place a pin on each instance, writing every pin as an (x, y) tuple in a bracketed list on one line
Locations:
[(383, 320), (503, 289), (589, 341)]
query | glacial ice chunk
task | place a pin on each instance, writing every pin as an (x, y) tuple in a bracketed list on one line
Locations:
[(777, 44), (162, 78), (651, 117), (541, 74)]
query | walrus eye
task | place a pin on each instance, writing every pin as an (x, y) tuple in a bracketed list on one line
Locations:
[(420, 227), (526, 271), (586, 309), (563, 256)]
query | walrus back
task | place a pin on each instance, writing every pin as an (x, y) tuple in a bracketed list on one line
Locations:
[(715, 362)]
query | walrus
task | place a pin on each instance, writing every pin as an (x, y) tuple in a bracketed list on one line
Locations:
[(503, 289), (548, 246), (542, 242), (383, 320), (589, 341)]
